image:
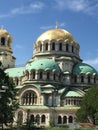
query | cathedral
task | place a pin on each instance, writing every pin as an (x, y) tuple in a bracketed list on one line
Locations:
[(52, 83)]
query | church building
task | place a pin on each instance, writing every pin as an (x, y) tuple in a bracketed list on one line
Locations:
[(52, 83)]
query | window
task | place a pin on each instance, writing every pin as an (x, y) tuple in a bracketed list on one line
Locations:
[(46, 47), (67, 47), (59, 120), (53, 45), (89, 79), (48, 75), (70, 120), (43, 119), (33, 75), (32, 118), (2, 41), (29, 98), (60, 46), (40, 75), (64, 119), (82, 79), (94, 79)]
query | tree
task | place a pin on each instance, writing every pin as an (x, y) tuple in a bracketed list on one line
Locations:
[(89, 107), (8, 100)]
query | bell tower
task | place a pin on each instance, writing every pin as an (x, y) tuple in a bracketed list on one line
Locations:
[(6, 58)]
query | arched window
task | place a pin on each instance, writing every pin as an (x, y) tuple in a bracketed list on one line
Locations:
[(82, 79), (53, 45), (38, 119), (59, 120), (46, 47), (40, 75), (89, 79), (40, 47), (43, 119), (48, 75), (32, 118), (29, 98), (64, 119), (70, 120), (67, 47), (60, 46), (2, 41), (33, 75)]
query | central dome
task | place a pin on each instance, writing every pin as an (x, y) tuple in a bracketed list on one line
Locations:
[(56, 34)]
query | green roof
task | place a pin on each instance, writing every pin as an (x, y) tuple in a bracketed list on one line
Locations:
[(43, 64), (83, 68), (72, 94), (15, 72)]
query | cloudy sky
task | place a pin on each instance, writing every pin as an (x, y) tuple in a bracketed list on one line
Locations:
[(27, 19)]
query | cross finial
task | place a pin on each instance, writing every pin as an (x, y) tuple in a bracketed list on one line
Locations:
[(56, 24)]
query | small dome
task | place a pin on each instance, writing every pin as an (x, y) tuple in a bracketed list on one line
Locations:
[(83, 68), (56, 34), (4, 32), (43, 64)]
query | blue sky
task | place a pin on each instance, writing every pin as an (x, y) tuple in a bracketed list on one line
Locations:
[(27, 19)]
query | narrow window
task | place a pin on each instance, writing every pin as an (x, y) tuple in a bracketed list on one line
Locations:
[(82, 79), (64, 119), (70, 119), (43, 119), (60, 46), (67, 48), (75, 79), (72, 49), (53, 45), (46, 46), (89, 79), (59, 120), (48, 75), (33, 74), (40, 75)]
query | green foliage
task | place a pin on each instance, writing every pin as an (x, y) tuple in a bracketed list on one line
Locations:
[(89, 106), (8, 100)]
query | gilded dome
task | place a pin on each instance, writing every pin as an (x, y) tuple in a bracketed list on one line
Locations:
[(4, 32), (56, 34)]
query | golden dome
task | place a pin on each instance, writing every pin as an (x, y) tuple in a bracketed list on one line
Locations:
[(4, 32), (56, 34)]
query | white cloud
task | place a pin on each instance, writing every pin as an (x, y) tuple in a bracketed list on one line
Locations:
[(31, 8), (18, 46), (86, 6), (92, 62)]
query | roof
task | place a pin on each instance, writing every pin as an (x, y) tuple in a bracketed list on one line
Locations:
[(73, 94), (43, 64), (83, 68), (56, 34), (15, 72)]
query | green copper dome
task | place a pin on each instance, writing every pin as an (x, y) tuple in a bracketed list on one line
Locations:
[(43, 64), (83, 68)]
